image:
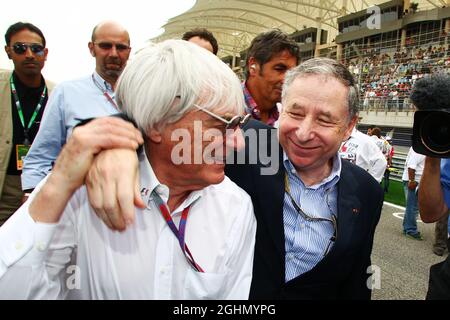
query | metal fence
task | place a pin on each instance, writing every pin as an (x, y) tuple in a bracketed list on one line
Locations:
[(398, 164)]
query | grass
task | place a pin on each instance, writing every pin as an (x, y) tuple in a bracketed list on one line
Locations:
[(396, 194)]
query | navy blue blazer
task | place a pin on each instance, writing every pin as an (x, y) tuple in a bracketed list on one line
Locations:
[(342, 274)]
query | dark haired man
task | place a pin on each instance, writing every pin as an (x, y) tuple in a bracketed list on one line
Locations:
[(203, 38), (23, 96), (269, 56)]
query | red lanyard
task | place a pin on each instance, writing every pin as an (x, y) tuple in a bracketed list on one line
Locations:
[(178, 232), (108, 97)]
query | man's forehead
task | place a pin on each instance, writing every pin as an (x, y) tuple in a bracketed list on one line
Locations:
[(26, 36), (111, 33), (283, 57)]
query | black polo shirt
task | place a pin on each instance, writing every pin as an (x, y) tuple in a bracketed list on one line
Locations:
[(29, 98)]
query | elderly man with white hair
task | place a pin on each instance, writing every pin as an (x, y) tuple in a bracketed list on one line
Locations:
[(193, 236)]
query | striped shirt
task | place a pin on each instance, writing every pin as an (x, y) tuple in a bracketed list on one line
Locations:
[(252, 108), (306, 241)]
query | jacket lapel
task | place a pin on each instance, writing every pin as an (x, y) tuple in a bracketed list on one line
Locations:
[(270, 193), (349, 206)]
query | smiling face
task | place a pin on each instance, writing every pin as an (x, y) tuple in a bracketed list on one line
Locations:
[(28, 63), (314, 122), (199, 138)]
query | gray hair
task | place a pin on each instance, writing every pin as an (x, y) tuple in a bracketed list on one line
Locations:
[(163, 81), (326, 67)]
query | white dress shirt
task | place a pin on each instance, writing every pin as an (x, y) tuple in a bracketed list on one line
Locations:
[(80, 258), (361, 150)]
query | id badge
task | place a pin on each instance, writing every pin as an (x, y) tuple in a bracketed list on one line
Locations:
[(21, 152)]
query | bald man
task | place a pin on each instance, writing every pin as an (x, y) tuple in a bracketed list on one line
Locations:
[(87, 97)]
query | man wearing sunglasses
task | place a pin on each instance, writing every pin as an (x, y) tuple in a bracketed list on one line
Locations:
[(23, 97), (90, 96)]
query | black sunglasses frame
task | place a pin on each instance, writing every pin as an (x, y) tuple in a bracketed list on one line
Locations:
[(21, 47)]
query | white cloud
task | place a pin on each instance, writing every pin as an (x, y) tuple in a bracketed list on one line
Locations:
[(67, 26)]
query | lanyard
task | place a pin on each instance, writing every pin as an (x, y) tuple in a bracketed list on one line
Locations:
[(307, 217), (180, 232), (19, 109), (108, 97)]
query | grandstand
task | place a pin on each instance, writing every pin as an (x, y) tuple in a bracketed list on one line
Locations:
[(386, 45)]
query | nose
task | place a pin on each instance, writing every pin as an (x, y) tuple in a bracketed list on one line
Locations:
[(305, 130), (235, 140), (29, 54), (113, 51)]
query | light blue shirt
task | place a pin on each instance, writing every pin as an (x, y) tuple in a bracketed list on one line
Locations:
[(445, 180), (69, 102), (306, 241)]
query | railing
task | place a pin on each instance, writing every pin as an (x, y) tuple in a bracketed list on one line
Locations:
[(398, 165), (386, 104)]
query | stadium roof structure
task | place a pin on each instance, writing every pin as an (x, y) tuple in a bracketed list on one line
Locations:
[(236, 22)]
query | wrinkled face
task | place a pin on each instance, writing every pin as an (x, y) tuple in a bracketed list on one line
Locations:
[(28, 63), (205, 44), (197, 146), (314, 121), (267, 79), (111, 50)]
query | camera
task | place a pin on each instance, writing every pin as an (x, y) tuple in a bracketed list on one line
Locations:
[(431, 129), (431, 133)]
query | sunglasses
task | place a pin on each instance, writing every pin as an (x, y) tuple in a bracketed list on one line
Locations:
[(109, 45), (21, 48), (233, 123)]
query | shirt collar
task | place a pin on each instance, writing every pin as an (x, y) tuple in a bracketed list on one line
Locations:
[(328, 182), (19, 84), (103, 83), (252, 107), (149, 183)]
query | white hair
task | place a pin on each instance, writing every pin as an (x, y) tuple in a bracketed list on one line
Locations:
[(163, 81)]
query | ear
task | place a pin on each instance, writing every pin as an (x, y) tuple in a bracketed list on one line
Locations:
[(252, 66), (350, 126), (91, 48), (154, 135), (45, 53), (8, 52)]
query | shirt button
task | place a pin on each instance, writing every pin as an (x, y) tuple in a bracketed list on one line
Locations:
[(19, 245), (293, 171), (7, 141), (40, 246)]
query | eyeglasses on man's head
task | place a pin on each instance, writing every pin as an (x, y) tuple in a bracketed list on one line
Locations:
[(233, 123), (22, 47), (108, 46)]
